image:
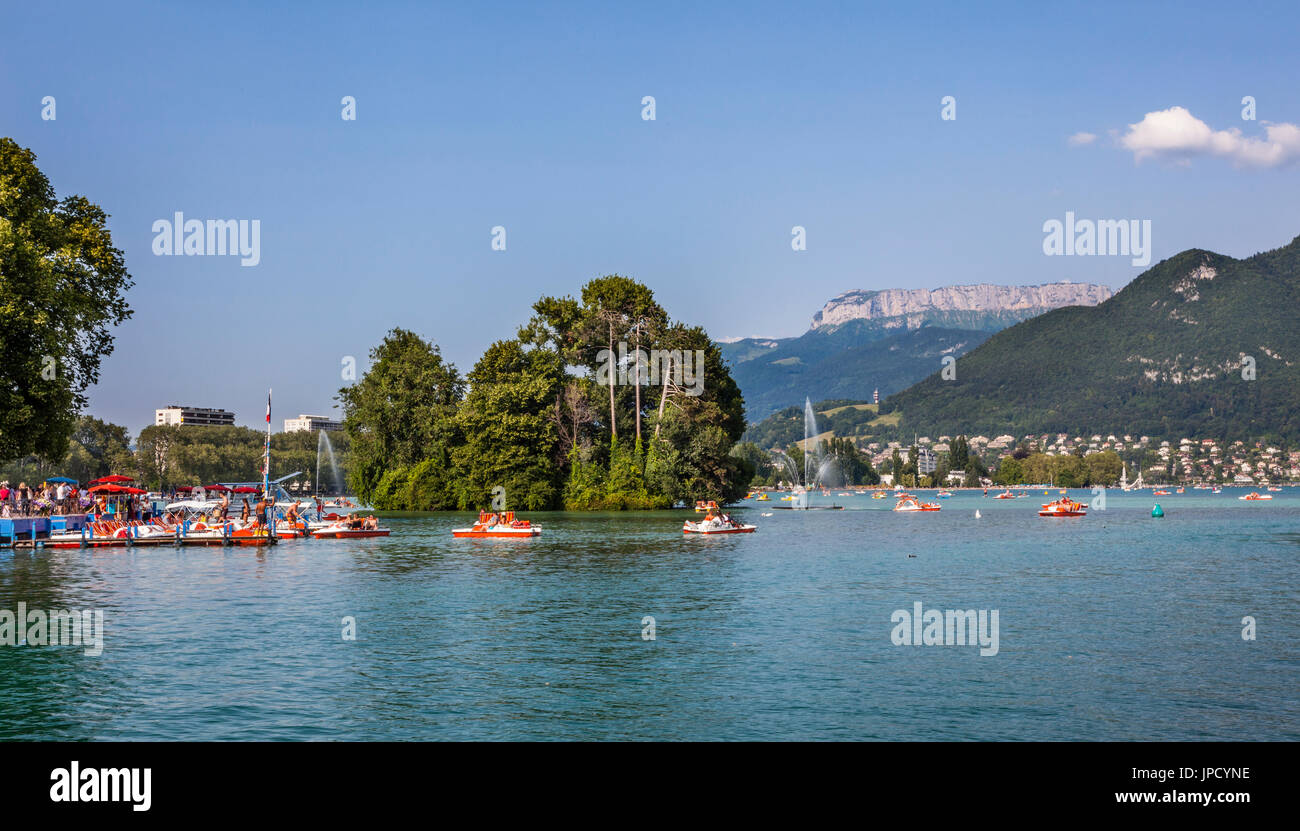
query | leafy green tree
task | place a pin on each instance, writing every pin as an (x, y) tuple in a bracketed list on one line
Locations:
[(62, 287), (508, 429), (958, 453), (402, 411), (761, 462), (613, 306), (1104, 468), (97, 449), (1009, 472)]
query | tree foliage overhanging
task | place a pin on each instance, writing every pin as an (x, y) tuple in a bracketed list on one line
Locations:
[(564, 415), (62, 288)]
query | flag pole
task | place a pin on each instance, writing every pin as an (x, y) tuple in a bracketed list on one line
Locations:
[(266, 474), (266, 456)]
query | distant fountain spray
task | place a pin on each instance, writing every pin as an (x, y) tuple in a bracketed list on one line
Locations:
[(811, 452), (324, 443)]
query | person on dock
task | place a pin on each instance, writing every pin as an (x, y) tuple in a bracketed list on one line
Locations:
[(223, 510), (243, 512), (263, 509)]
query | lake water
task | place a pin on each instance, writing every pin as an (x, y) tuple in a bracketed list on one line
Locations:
[(1113, 626)]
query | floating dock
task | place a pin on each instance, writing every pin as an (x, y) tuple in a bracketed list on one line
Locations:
[(76, 531)]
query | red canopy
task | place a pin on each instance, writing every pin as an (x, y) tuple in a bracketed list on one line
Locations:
[(111, 488), (115, 478), (245, 489), (186, 488), (218, 488)]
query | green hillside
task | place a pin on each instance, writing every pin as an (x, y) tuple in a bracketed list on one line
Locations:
[(850, 361), (838, 417), (1163, 357)]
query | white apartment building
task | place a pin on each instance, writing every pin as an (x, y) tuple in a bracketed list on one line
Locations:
[(311, 423), (206, 416)]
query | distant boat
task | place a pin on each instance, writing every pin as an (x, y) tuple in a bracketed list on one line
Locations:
[(1254, 496)]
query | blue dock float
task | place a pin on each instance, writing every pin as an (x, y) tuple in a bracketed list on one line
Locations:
[(33, 529)]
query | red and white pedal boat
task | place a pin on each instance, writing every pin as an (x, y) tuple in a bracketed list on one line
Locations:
[(1063, 507), (717, 525), (342, 530), (499, 526), (910, 504)]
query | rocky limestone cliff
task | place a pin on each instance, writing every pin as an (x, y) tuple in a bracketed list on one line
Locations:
[(911, 305)]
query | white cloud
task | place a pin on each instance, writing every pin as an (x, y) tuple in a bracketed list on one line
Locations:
[(1177, 135), (1080, 139)]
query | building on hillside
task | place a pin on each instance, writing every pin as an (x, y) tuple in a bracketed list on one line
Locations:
[(175, 414), (925, 461), (306, 423)]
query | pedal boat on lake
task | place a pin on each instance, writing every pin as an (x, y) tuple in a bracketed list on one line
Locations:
[(713, 524), (1063, 507), (499, 526), (910, 504), (350, 528)]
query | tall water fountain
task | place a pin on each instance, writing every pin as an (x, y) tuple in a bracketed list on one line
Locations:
[(323, 443), (811, 449), (818, 472)]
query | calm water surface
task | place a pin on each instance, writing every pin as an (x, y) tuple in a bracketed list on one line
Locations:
[(1114, 626)]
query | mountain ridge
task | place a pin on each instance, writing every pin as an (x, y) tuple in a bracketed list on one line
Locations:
[(909, 304), (860, 355), (1201, 344)]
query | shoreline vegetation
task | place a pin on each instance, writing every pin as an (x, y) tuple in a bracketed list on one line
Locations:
[(570, 414)]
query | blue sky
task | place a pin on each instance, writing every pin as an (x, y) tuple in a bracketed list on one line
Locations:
[(468, 117)]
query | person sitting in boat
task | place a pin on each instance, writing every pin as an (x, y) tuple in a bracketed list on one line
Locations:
[(371, 523)]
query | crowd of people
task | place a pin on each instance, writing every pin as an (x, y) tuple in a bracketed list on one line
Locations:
[(43, 499)]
